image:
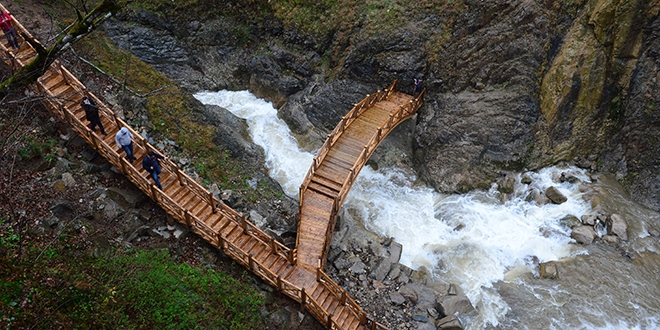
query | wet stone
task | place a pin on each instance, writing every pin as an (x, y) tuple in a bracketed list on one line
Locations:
[(589, 219), (548, 270), (555, 196), (616, 225), (450, 322), (583, 234)]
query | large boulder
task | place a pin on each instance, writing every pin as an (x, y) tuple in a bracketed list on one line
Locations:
[(616, 225), (555, 195), (583, 234), (455, 305)]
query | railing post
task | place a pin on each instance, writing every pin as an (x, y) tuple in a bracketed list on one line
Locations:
[(212, 202), (272, 246), (221, 241), (117, 121), (343, 297), (303, 300), (279, 283), (154, 194), (179, 176), (251, 262), (122, 160), (188, 219), (91, 136), (244, 225)]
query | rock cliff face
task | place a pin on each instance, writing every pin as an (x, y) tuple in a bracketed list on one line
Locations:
[(511, 84)]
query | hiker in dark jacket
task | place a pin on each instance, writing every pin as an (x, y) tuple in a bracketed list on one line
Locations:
[(150, 163), (92, 114)]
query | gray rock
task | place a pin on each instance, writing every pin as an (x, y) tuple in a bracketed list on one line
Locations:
[(397, 298), (61, 208), (358, 268), (125, 198), (549, 270), (589, 219), (616, 225), (281, 318), (420, 316), (583, 234), (453, 305), (555, 196), (408, 291), (611, 239), (534, 195), (570, 221), (394, 272), (526, 179), (450, 322), (381, 268), (395, 252), (68, 180)]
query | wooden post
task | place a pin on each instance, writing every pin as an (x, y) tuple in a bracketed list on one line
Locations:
[(244, 225), (122, 161), (59, 68), (179, 176), (117, 122), (92, 137), (303, 300), (153, 192), (279, 283), (251, 262), (212, 202), (188, 219), (221, 241), (272, 246)]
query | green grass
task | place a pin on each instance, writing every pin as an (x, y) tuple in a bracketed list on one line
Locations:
[(135, 290)]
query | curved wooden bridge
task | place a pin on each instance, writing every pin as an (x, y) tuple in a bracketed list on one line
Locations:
[(298, 273)]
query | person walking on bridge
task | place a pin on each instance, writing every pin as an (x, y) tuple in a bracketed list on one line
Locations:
[(8, 29), (150, 163), (124, 139), (92, 114)]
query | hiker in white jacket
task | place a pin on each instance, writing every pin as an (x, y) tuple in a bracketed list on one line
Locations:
[(124, 139)]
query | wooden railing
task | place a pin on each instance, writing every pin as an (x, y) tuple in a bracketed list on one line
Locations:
[(345, 121)]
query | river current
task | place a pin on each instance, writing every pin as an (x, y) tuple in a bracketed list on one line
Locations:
[(487, 247)]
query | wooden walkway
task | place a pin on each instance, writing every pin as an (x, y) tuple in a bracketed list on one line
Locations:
[(337, 165), (191, 204)]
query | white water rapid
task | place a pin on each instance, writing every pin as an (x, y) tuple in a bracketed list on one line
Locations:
[(487, 247)]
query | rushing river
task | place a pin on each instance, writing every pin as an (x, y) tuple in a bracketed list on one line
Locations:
[(487, 247)]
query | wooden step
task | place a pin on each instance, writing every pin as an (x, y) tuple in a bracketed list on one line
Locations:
[(330, 193)]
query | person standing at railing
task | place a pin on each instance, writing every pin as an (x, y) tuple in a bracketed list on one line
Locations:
[(8, 29), (124, 139), (92, 114), (419, 83), (150, 163)]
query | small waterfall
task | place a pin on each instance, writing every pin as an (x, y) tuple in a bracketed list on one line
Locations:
[(489, 248)]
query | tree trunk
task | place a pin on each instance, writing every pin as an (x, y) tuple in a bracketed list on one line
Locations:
[(46, 56)]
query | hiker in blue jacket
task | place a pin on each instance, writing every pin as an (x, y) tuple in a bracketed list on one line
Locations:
[(150, 163)]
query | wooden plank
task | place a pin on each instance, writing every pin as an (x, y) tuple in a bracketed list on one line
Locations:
[(321, 189)]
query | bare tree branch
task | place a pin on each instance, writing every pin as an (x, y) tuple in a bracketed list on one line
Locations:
[(46, 56)]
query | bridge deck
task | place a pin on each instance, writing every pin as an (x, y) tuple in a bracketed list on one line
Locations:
[(191, 204), (328, 179)]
